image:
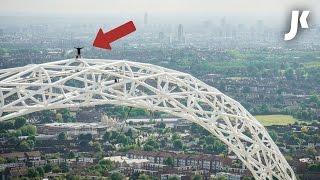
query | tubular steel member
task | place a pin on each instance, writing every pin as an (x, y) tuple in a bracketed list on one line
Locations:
[(88, 82)]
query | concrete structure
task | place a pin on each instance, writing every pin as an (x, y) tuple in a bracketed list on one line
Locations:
[(88, 82)]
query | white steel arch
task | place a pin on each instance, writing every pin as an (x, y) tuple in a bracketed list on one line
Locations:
[(89, 82)]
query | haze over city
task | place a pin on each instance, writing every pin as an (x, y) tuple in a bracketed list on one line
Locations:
[(273, 12)]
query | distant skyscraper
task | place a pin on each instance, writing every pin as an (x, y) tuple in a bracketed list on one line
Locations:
[(241, 27), (260, 30), (161, 35), (180, 33), (145, 20), (207, 23), (223, 22), (260, 25)]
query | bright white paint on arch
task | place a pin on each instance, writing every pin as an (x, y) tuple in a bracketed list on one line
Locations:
[(51, 85)]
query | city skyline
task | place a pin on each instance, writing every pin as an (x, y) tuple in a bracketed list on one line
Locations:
[(99, 6), (272, 12)]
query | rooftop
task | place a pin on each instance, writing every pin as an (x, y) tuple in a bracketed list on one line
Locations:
[(123, 159), (77, 125), (146, 120)]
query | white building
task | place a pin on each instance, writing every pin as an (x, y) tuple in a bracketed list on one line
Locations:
[(73, 129), (125, 161)]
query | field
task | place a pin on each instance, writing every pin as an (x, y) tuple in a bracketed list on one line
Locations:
[(268, 120)]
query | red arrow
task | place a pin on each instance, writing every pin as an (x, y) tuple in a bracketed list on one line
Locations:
[(103, 40)]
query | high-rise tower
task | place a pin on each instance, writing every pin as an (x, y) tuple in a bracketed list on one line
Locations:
[(145, 19), (180, 33)]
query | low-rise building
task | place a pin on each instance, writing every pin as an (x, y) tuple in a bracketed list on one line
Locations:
[(73, 129), (211, 163), (123, 161), (30, 159)]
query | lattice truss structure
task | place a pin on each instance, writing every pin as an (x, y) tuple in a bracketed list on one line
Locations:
[(89, 82)]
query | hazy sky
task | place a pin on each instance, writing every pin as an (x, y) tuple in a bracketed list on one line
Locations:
[(273, 12), (264, 7)]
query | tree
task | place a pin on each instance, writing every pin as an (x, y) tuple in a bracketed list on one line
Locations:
[(248, 178), (32, 138), (31, 143), (219, 147), (106, 164), (314, 167), (288, 158), (66, 115), (84, 139), (107, 136), (123, 139), (56, 169), (304, 129), (129, 133), (162, 125), (147, 147), (263, 109), (64, 167), (40, 171), (2, 160), (73, 177), (177, 144), (246, 89), (28, 130), (210, 139), (24, 146), (173, 178), (144, 177), (221, 178), (47, 116), (273, 135), (97, 147), (169, 161), (117, 176), (59, 117), (19, 122), (175, 136), (289, 73), (195, 128), (197, 177), (9, 125), (114, 135), (47, 168), (62, 136), (311, 151), (151, 144), (71, 155), (289, 136), (32, 173)]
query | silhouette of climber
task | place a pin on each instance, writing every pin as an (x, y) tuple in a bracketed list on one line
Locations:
[(78, 55)]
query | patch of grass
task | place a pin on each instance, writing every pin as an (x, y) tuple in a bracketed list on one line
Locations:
[(269, 120), (312, 64)]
